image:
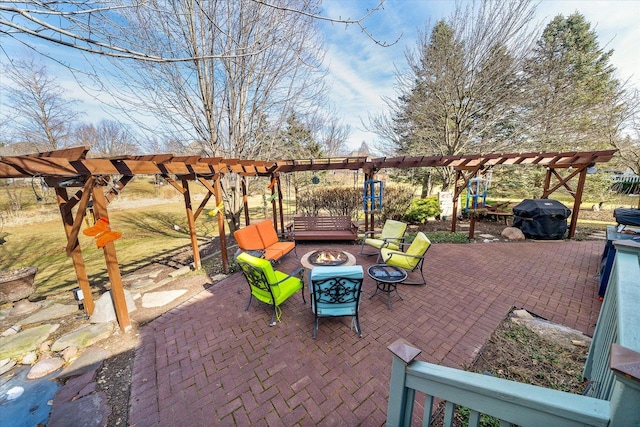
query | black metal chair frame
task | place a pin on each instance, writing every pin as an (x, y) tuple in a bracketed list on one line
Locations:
[(256, 278), (387, 240), (341, 290), (419, 265)]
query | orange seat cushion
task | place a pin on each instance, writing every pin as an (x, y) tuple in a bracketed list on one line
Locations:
[(267, 233), (248, 238)]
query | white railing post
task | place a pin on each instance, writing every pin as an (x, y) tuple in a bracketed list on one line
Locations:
[(400, 409)]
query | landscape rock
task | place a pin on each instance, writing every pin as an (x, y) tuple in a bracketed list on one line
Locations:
[(71, 390), (45, 346), (158, 299), (523, 314), (513, 233), (219, 277), (54, 311), (88, 411), (6, 367), (23, 307), (554, 332), (141, 283), (25, 341), (11, 331), (90, 360), (29, 358), (181, 271), (83, 336), (104, 310), (69, 353), (45, 367)]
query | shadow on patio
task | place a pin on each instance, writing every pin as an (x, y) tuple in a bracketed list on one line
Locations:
[(209, 362)]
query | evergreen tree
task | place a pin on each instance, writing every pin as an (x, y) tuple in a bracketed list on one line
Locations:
[(574, 102)]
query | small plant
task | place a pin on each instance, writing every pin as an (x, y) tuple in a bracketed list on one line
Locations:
[(447, 237), (485, 420), (422, 209)]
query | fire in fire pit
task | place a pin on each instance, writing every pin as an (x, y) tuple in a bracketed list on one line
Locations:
[(328, 258)]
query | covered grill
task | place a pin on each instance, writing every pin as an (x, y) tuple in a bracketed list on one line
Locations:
[(627, 216), (543, 219)]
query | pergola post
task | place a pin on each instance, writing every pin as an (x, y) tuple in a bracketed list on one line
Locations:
[(581, 171), (460, 175), (577, 201), (113, 269), (192, 225), (217, 192), (245, 199), (280, 203), (274, 212), (73, 243)]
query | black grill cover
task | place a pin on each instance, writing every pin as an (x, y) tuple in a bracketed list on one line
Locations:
[(543, 219), (627, 216)]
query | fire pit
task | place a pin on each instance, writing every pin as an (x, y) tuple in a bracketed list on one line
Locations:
[(328, 258)]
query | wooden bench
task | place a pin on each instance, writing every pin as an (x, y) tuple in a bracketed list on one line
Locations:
[(322, 228)]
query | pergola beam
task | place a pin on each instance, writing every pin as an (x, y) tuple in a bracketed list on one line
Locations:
[(70, 168)]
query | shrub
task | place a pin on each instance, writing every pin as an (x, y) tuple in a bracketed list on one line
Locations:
[(396, 201), (333, 200), (421, 209)]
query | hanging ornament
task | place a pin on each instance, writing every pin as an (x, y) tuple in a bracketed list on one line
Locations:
[(217, 209)]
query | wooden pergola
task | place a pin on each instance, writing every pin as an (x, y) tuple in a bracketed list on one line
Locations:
[(79, 180)]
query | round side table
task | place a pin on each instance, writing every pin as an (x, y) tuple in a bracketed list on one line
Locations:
[(387, 278)]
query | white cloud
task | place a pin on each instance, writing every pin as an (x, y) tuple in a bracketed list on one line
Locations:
[(362, 72)]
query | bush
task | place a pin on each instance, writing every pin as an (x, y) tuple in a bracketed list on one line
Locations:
[(396, 201), (422, 209), (333, 200)]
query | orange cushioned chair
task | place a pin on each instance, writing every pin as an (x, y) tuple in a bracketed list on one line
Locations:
[(262, 239)]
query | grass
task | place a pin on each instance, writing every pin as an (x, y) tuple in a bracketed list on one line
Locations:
[(148, 235)]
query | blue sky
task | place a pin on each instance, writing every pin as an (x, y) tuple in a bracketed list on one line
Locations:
[(362, 72)]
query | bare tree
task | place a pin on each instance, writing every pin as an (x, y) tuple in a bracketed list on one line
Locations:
[(629, 143), (96, 28), (230, 106), (461, 86), (333, 136), (40, 113), (109, 138)]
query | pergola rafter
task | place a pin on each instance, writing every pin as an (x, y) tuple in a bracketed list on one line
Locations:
[(100, 180)]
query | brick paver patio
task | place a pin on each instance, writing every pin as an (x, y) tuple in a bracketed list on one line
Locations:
[(208, 362)]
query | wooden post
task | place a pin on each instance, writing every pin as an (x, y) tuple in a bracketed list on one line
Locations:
[(547, 182), (401, 398), (577, 201), (217, 192), (76, 251), (280, 204), (245, 200), (472, 225), (113, 269), (456, 194), (625, 396), (192, 224), (274, 210)]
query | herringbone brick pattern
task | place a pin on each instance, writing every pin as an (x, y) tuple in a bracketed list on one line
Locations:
[(208, 362)]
